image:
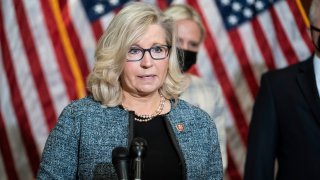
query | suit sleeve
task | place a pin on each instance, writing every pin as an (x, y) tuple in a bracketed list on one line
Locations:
[(263, 135), (60, 155)]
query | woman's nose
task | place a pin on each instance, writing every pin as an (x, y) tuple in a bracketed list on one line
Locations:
[(147, 60)]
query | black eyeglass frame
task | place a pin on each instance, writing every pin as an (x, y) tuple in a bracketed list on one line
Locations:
[(315, 28), (149, 50)]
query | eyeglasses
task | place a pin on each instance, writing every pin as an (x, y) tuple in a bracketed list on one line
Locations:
[(158, 52), (315, 28)]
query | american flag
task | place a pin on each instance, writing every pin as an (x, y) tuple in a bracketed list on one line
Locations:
[(47, 50)]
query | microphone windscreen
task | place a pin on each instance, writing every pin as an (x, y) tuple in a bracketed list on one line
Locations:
[(138, 147), (119, 153)]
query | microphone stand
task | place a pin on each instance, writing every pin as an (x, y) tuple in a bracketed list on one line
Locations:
[(138, 151), (120, 161)]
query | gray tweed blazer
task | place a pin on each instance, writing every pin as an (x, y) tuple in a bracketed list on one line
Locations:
[(81, 143)]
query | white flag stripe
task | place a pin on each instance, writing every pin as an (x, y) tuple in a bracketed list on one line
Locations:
[(106, 19), (267, 25), (24, 78), (224, 47), (16, 144), (245, 98), (294, 36), (52, 75), (86, 33), (82, 26), (204, 65), (3, 94), (236, 148), (252, 49), (226, 53), (179, 2)]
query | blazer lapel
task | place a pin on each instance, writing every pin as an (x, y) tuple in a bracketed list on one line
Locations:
[(307, 83)]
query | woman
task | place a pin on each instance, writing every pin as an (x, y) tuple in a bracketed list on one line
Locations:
[(135, 86), (200, 92)]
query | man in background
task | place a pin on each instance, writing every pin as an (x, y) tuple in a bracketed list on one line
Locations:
[(285, 125)]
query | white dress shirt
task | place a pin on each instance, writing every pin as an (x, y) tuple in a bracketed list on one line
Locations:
[(316, 64)]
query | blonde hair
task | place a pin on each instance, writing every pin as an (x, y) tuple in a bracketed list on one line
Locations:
[(314, 8), (185, 12), (123, 31)]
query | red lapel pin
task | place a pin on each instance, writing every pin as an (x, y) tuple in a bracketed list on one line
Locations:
[(180, 127)]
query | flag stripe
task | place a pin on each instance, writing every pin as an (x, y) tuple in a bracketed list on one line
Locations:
[(265, 49), (34, 63), (74, 40), (303, 12), (221, 74), (71, 57), (285, 45), (243, 61), (252, 49), (286, 20), (57, 40), (204, 65), (6, 151), (19, 108), (299, 16), (61, 58), (46, 55), (162, 4), (12, 129), (232, 168), (228, 57), (266, 22), (83, 28), (227, 89), (97, 29), (23, 59)]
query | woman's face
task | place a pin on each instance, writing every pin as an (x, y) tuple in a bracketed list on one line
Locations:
[(189, 35), (147, 75)]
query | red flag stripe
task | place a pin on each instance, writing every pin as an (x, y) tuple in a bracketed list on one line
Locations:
[(97, 29), (243, 61), (228, 91), (194, 70), (300, 24), (82, 26), (287, 22), (162, 4), (285, 45), (264, 47), (73, 35), (266, 23), (224, 81), (232, 169), (65, 69), (6, 152), (46, 54), (34, 62), (17, 100)]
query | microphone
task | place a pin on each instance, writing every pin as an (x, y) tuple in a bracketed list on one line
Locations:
[(138, 151), (120, 161)]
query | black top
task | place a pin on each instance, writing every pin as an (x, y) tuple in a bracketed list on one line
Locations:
[(162, 160)]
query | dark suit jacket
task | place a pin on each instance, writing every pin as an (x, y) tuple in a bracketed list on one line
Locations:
[(285, 126)]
